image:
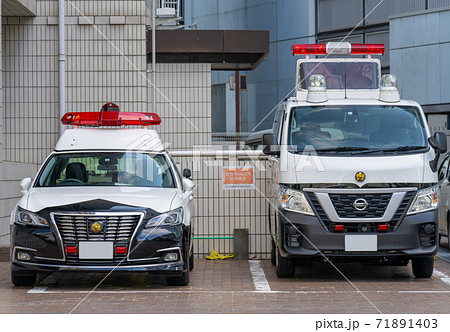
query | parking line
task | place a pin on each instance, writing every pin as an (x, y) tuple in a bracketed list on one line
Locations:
[(37, 290), (259, 278), (445, 278)]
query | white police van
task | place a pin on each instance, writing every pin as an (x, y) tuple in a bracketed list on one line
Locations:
[(105, 199), (353, 166)]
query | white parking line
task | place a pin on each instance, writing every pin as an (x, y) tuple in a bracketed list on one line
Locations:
[(259, 278), (445, 278), (37, 290)]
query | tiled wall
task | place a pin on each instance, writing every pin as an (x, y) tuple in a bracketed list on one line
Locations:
[(183, 101)]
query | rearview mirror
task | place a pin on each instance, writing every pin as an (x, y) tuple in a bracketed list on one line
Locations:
[(441, 138), (270, 145), (187, 173), (25, 185), (188, 184)]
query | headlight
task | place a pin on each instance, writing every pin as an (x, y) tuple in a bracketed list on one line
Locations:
[(425, 200), (293, 200), (29, 218), (174, 217)]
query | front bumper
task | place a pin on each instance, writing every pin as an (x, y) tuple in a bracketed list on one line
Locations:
[(316, 241), (145, 251)]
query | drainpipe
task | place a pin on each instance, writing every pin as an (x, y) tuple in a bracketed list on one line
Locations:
[(154, 53), (62, 65)]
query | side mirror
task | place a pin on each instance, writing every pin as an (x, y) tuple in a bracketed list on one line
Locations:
[(442, 141), (270, 145), (25, 185), (188, 185), (187, 173)]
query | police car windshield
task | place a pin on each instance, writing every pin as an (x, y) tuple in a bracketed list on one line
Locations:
[(342, 75), (106, 169), (357, 129)]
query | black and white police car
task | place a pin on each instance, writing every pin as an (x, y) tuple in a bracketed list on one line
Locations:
[(105, 199)]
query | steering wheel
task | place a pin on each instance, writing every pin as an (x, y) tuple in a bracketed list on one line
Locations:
[(72, 180)]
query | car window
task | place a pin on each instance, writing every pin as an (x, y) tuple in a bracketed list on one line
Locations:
[(277, 122), (443, 169)]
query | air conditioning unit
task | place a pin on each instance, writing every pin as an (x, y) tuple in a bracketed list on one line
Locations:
[(165, 12)]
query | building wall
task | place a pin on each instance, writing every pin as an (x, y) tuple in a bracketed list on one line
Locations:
[(420, 45), (289, 22)]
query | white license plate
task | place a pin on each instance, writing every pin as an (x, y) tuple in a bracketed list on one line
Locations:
[(95, 250), (361, 243)]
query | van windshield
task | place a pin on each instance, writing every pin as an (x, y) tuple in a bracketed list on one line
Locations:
[(356, 129), (341, 75), (106, 169)]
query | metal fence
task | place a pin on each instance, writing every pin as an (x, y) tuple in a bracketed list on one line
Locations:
[(219, 211)]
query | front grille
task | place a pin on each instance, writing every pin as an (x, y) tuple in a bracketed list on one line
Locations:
[(76, 227), (376, 205), (362, 226)]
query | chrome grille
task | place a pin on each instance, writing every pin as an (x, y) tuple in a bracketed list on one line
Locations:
[(75, 227)]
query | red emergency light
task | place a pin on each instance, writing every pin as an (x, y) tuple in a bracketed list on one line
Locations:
[(367, 49), (121, 250), (71, 249), (110, 116), (305, 49), (339, 228), (383, 227), (338, 48)]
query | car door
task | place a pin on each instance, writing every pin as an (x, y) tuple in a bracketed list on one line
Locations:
[(444, 189)]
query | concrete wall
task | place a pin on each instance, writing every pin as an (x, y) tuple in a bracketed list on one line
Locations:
[(288, 21)]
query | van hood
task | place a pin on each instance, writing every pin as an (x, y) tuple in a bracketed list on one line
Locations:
[(157, 199), (378, 170)]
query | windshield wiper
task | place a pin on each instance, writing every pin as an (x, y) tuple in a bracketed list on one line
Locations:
[(343, 148), (398, 149)]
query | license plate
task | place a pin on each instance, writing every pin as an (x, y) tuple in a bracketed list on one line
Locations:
[(361, 243), (95, 250)]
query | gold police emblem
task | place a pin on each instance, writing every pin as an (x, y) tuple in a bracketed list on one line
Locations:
[(360, 176), (96, 227)]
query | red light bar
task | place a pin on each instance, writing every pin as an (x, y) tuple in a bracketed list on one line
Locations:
[(383, 227), (337, 48), (367, 49), (339, 228), (305, 49), (110, 118), (71, 250), (121, 250)]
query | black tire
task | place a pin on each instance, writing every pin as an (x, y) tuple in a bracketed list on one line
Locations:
[(191, 260), (273, 257), (422, 266), (182, 280), (23, 280), (285, 267)]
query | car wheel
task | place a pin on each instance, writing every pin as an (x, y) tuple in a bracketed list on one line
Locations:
[(422, 266), (23, 280), (191, 259), (273, 258), (285, 267), (182, 280)]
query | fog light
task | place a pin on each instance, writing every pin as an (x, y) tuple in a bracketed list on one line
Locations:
[(171, 257), (428, 228), (23, 256)]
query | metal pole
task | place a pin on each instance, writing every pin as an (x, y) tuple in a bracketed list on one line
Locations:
[(154, 53), (238, 120), (62, 64)]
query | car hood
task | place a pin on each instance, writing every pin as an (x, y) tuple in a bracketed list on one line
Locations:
[(157, 199), (408, 169)]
